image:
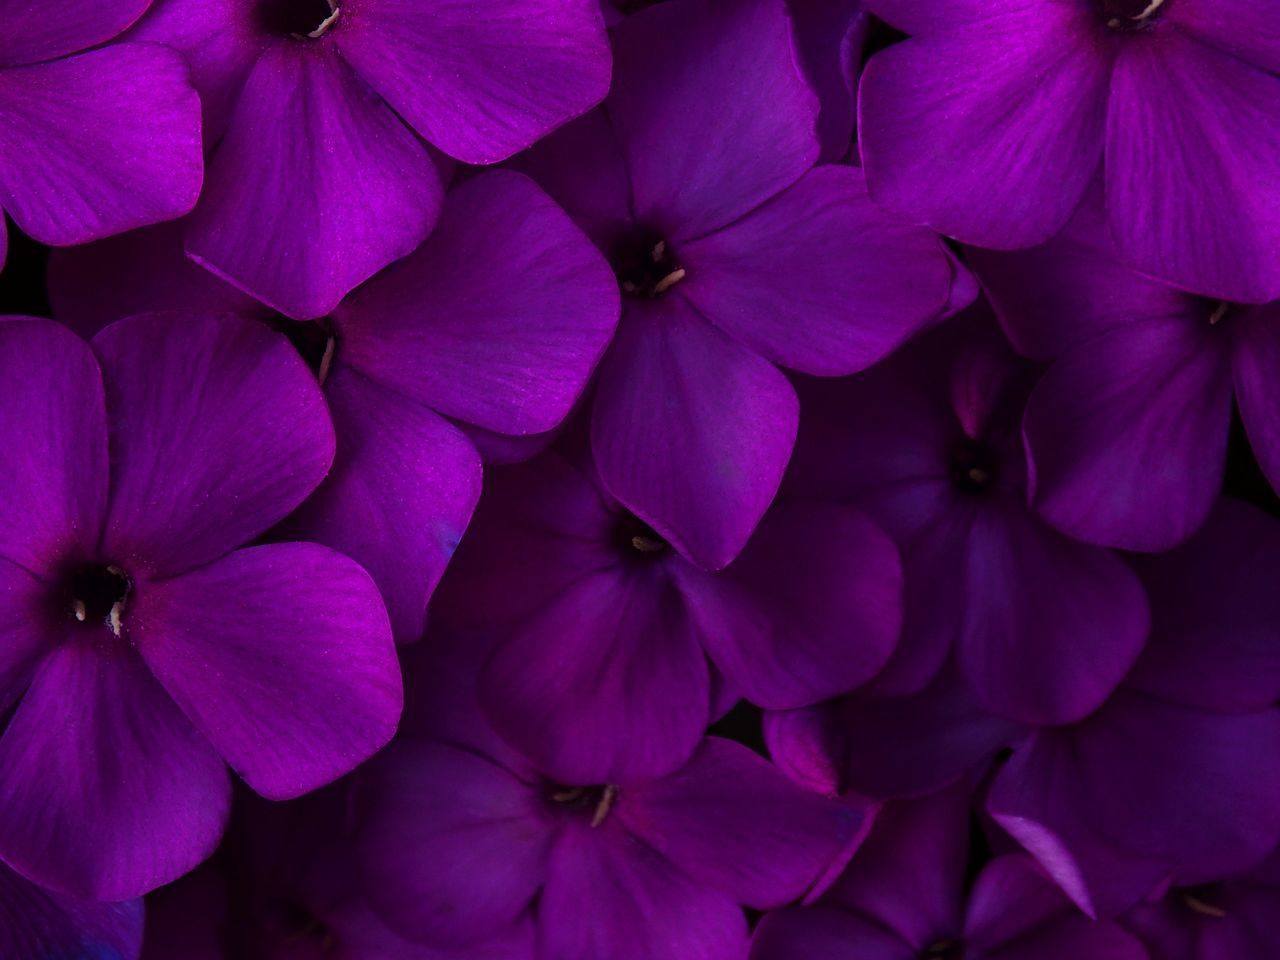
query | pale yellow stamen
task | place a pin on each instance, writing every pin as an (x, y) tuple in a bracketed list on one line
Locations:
[(332, 18), (113, 618), (669, 281), (648, 544), (326, 360), (79, 610), (1219, 312), (1205, 909), (605, 805)]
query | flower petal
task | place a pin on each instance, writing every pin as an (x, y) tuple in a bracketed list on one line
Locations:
[(403, 486), (829, 35), (37, 923), (1242, 28), (316, 186), (452, 846), (1191, 186), (702, 465), (99, 143), (25, 623), (1127, 434), (810, 609), (281, 655), (481, 82), (497, 320), (109, 790), (730, 820), (989, 131), (219, 430), (53, 445), (806, 933), (56, 28), (818, 279), (1256, 356), (712, 111)]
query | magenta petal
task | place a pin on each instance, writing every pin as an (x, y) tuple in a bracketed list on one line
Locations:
[(481, 82), (497, 320), (109, 790), (711, 110), (403, 486), (316, 186), (53, 444), (702, 466), (732, 821), (1254, 360), (825, 933), (282, 656), (988, 132), (1243, 28), (1191, 186), (935, 16), (606, 684), (1051, 649), (809, 610), (829, 35), (38, 924), (99, 143), (25, 619), (1127, 433), (452, 846), (608, 896), (227, 432), (55, 28), (818, 279)]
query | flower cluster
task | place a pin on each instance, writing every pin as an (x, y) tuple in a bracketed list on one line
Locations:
[(640, 480)]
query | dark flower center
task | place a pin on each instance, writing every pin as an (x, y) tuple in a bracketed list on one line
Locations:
[(1131, 15), (636, 539), (97, 594), (314, 340), (1202, 901), (595, 801), (646, 266), (944, 950), (297, 18), (973, 465), (295, 922)]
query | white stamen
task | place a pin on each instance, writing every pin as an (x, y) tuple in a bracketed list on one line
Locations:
[(113, 618), (978, 475), (78, 608), (334, 12), (669, 281), (1152, 7), (568, 796), (1219, 312), (605, 805), (326, 360), (647, 544), (659, 251), (1200, 907)]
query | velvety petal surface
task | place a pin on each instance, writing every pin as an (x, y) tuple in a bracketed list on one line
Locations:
[(609, 896), (53, 445), (1127, 434), (988, 131), (38, 924), (810, 609), (806, 933), (452, 846), (109, 790), (316, 186), (218, 431), (732, 821), (498, 320), (480, 81), (712, 111), (26, 621), (99, 143), (282, 656), (36, 31), (829, 35), (818, 278), (1241, 28), (1191, 186), (701, 466)]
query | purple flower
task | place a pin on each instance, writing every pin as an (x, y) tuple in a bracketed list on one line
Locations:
[(92, 143), (991, 122), (603, 672), (317, 176), (829, 39), (734, 253), (459, 836), (1127, 431), (1174, 778), (143, 651), (1235, 918), (929, 444), (904, 898), (36, 923), (493, 326), (887, 747)]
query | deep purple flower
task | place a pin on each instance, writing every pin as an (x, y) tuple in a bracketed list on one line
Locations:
[(929, 444), (1231, 920), (829, 39), (991, 122), (92, 143), (459, 836), (904, 898), (495, 324), (1127, 431), (734, 253), (317, 176), (143, 651), (603, 675), (1175, 777), (36, 924), (887, 747)]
